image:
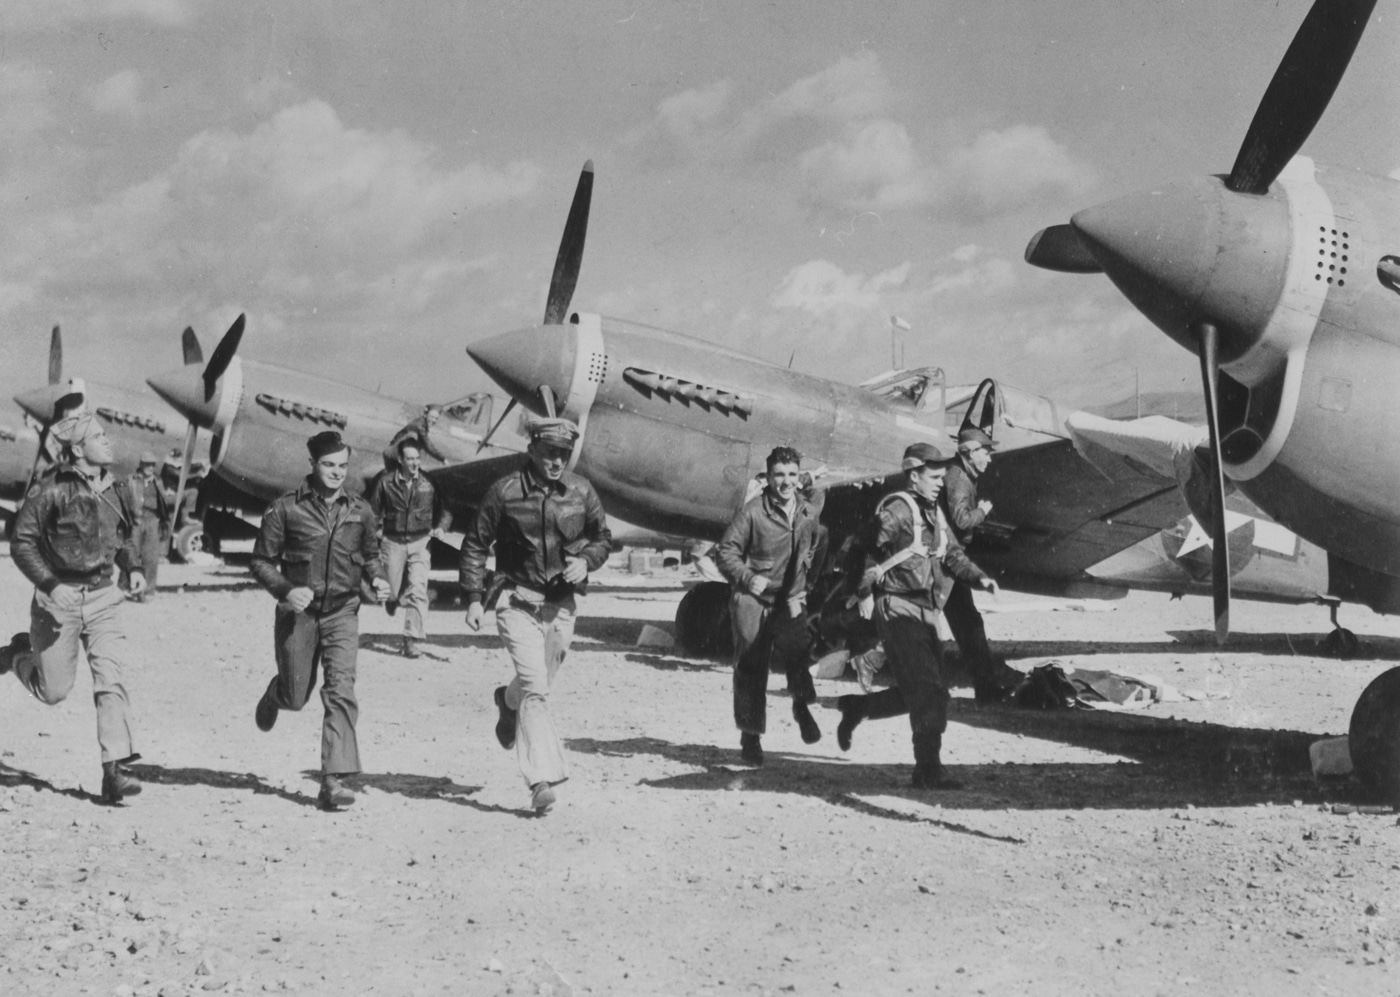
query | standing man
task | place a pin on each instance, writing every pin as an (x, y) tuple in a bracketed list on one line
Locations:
[(908, 552), (419, 428), (992, 679), (549, 531), (316, 546), (767, 555), (406, 503), (147, 496), (74, 524)]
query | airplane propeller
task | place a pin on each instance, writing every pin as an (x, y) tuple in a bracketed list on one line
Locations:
[(218, 363), (1209, 339), (55, 356), (561, 285), (223, 356), (189, 345), (1301, 88)]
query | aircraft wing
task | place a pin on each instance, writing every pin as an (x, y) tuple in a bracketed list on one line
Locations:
[(462, 485)]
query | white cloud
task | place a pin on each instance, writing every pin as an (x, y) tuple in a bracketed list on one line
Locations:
[(853, 88), (119, 94), (877, 167), (820, 286)]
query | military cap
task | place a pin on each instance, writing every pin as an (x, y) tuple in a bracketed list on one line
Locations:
[(920, 454), (972, 435), (554, 432), (147, 458), (325, 443)]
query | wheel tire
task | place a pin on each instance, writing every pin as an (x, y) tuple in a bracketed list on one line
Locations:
[(1374, 736), (1341, 643), (703, 629), (190, 540)]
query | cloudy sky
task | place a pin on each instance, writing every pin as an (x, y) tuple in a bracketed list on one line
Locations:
[(379, 182)]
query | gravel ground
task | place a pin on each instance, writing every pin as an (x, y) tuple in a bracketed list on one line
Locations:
[(1179, 848)]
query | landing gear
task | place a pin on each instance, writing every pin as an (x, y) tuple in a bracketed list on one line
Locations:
[(190, 540), (1341, 642), (1374, 736), (703, 629)]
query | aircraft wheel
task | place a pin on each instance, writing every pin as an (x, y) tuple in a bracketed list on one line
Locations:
[(1341, 643), (702, 622), (190, 540), (1374, 736)]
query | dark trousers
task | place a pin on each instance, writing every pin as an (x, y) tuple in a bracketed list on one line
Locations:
[(966, 623), (306, 642), (764, 635), (915, 658)]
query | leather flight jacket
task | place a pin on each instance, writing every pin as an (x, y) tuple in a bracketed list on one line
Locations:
[(533, 526), (331, 547), (69, 533), (761, 540), (407, 507)]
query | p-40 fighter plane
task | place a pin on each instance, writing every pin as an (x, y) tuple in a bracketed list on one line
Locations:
[(134, 420), (676, 429), (262, 414), (1284, 277)]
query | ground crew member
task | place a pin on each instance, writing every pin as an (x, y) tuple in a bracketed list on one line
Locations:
[(549, 531), (768, 554), (315, 548), (145, 494), (907, 551), (419, 428), (992, 679), (74, 524), (409, 514)]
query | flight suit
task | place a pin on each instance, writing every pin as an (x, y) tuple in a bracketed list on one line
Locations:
[(762, 539), (906, 615), (991, 679)]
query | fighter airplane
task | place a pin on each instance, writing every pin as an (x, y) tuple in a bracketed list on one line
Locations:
[(134, 420), (676, 429), (1284, 277)]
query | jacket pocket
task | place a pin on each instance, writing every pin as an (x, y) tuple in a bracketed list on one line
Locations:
[(296, 565)]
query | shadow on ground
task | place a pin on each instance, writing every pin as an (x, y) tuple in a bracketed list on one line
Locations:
[(1171, 763), (417, 787)]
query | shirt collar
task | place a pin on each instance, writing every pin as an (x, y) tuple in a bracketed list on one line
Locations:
[(534, 482), (308, 491)]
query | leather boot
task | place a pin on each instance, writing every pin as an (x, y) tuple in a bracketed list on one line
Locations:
[(334, 793), (853, 710), (18, 644), (929, 772), (505, 720), (806, 723), (117, 783), (751, 748)]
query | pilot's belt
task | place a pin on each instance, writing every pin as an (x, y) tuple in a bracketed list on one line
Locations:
[(405, 538)]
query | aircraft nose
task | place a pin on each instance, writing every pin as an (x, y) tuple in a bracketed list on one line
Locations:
[(38, 403), (183, 390), (1190, 252), (521, 361)]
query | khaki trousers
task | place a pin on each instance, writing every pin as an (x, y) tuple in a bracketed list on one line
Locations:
[(537, 636), (49, 669), (407, 566)]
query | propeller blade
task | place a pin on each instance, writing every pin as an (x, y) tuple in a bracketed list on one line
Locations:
[(1299, 92), (55, 356), (189, 344), (547, 400), (492, 431), (1220, 548), (566, 264), (1059, 248), (186, 457), (223, 356)]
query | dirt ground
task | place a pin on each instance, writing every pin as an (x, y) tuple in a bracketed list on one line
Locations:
[(1180, 848)]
